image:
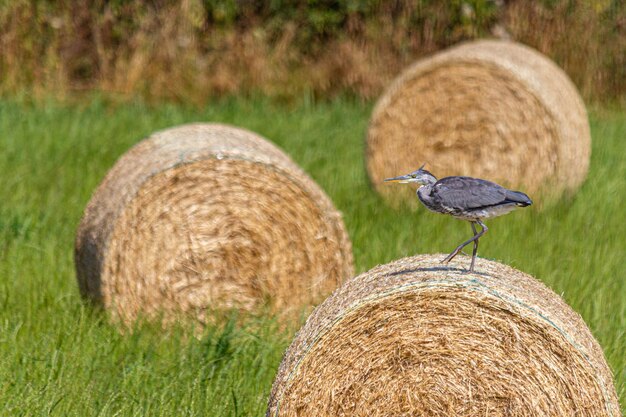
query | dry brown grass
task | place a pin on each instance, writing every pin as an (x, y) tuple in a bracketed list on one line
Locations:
[(591, 49), (172, 50)]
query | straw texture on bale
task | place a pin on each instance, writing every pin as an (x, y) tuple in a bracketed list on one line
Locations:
[(208, 217), (490, 109), (413, 338)]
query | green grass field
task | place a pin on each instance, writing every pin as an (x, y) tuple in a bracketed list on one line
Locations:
[(61, 357)]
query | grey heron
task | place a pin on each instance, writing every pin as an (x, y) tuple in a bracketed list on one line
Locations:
[(465, 198)]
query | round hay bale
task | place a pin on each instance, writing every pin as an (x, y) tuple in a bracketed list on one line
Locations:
[(209, 217), (413, 338), (491, 109)]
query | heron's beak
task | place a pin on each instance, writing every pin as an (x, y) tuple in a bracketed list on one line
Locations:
[(402, 179)]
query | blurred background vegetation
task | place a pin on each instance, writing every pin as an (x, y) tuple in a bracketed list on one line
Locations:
[(168, 61), (194, 50)]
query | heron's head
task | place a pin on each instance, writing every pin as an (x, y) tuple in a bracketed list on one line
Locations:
[(421, 176)]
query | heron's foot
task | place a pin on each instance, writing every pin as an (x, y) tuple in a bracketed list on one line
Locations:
[(451, 256), (445, 260), (448, 258), (471, 268)]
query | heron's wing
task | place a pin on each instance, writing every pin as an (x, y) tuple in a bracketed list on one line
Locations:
[(466, 193)]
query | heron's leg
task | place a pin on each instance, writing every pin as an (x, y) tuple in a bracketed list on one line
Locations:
[(467, 242), (475, 242), (482, 232), (456, 251), (475, 251)]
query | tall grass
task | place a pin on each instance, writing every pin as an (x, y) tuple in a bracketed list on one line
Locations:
[(59, 356), (194, 49)]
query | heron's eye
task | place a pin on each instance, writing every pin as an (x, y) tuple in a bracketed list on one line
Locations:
[(413, 175)]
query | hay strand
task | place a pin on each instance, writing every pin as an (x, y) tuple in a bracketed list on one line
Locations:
[(208, 217), (413, 338), (490, 109)]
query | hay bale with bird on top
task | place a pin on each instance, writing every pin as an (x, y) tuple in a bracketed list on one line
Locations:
[(491, 109), (208, 217), (413, 338)]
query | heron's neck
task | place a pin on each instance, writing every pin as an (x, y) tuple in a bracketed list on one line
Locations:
[(424, 189), (423, 194)]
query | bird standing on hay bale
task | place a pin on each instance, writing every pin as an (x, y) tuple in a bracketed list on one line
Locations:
[(466, 198)]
